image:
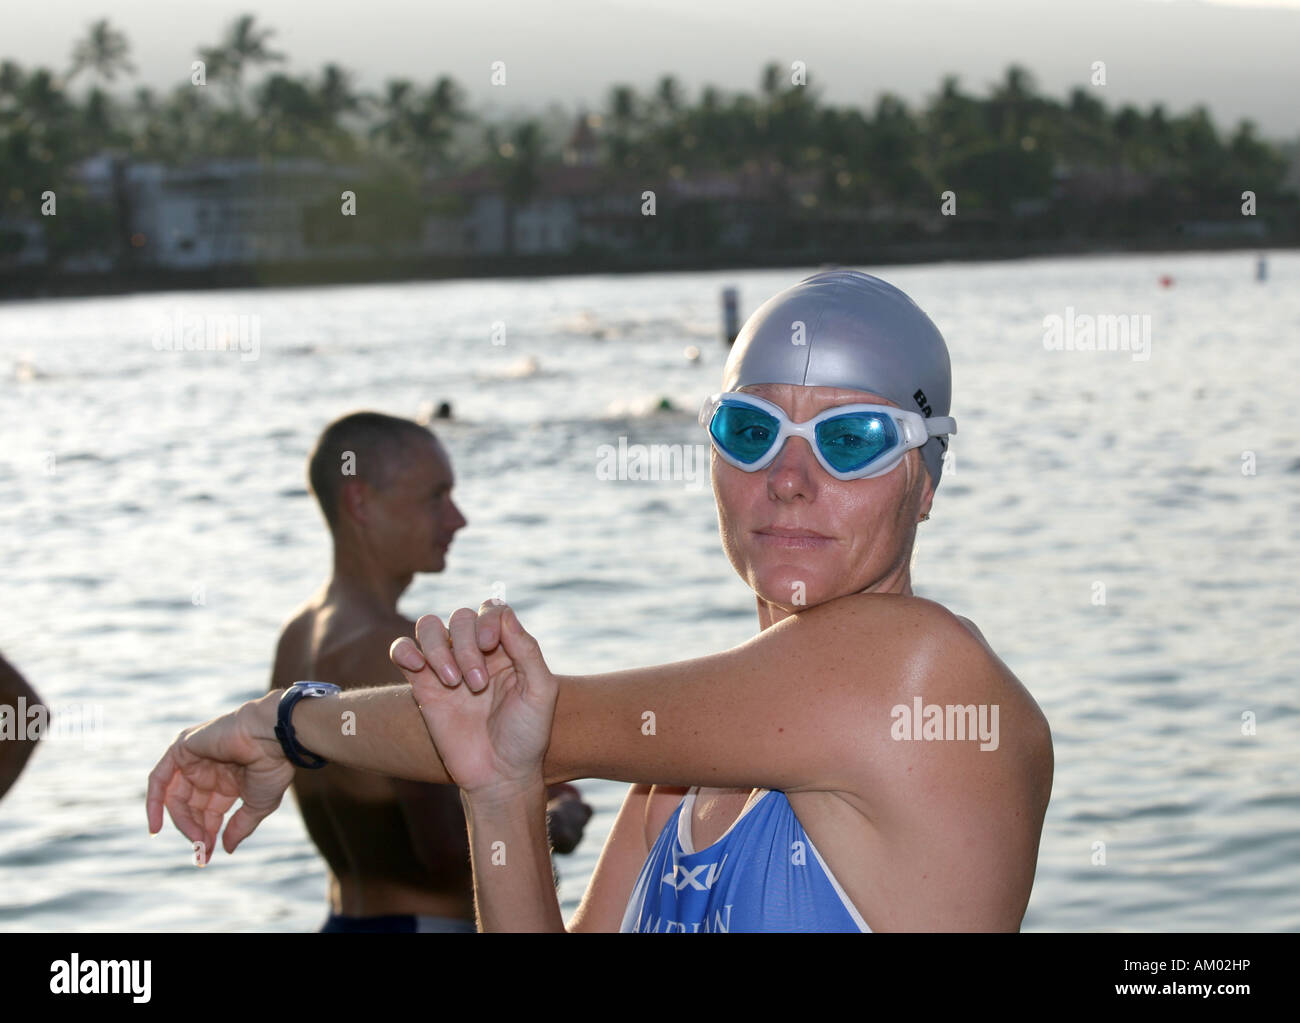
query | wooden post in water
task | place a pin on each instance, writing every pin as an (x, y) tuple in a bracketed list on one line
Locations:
[(730, 314)]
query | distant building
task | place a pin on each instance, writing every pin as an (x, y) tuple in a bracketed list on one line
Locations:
[(469, 217), (582, 149), (576, 204), (580, 206), (1097, 185), (222, 213)]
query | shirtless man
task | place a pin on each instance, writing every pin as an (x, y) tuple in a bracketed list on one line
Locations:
[(779, 788), (397, 850)]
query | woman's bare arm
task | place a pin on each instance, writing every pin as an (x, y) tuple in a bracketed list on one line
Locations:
[(804, 705), (513, 884), (785, 710)]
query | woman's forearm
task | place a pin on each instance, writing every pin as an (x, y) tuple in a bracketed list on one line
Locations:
[(381, 730), (376, 730), (514, 887)]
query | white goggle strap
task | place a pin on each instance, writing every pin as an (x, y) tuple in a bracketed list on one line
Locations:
[(917, 430)]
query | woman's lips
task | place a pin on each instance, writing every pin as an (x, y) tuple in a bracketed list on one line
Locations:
[(791, 539)]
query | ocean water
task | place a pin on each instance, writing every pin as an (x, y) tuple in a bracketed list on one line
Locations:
[(1122, 526)]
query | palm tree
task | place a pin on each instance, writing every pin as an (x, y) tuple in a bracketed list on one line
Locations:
[(97, 119), (337, 100), (1012, 103), (1199, 153), (418, 127), (43, 102), (103, 50), (771, 86), (669, 130), (244, 46), (954, 116), (794, 127), (706, 122), (435, 115), (622, 122), (336, 93), (1254, 160), (11, 78), (291, 117), (395, 115), (145, 120), (893, 150), (519, 168), (669, 96), (181, 127)]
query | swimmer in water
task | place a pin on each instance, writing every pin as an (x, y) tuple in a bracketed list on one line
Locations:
[(866, 762)]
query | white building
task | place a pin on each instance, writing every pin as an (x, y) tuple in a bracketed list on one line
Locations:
[(574, 204), (224, 212)]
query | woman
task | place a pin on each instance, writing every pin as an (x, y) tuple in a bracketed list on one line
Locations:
[(865, 762)]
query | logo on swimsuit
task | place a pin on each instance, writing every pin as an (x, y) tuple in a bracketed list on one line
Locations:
[(651, 925), (689, 876)]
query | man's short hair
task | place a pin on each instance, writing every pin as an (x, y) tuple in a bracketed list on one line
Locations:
[(375, 442)]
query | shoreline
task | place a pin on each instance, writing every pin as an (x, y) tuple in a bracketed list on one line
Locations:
[(38, 283)]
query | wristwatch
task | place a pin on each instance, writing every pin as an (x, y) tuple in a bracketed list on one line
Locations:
[(296, 753)]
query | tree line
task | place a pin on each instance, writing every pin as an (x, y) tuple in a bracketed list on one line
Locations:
[(995, 151)]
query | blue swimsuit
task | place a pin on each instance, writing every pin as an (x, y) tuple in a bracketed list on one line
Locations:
[(763, 874)]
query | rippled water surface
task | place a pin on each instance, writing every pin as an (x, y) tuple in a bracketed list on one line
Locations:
[(156, 531)]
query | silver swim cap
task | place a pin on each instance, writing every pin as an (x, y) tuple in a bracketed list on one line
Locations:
[(843, 328)]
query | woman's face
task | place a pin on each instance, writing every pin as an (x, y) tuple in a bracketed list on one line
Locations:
[(857, 533)]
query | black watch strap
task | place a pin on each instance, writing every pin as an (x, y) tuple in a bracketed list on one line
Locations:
[(295, 752)]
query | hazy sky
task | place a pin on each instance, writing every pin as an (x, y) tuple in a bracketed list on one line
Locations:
[(1240, 59)]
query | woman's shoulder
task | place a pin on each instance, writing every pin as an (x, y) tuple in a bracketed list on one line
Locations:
[(916, 619), (908, 625), (939, 656), (888, 605)]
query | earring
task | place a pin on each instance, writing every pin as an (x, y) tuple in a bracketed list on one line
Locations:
[(923, 517)]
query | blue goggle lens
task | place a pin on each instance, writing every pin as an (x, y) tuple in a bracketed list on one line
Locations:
[(853, 441), (744, 432)]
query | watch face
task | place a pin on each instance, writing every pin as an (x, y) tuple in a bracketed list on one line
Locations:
[(320, 688)]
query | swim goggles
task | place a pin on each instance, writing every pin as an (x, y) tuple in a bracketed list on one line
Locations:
[(851, 442)]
